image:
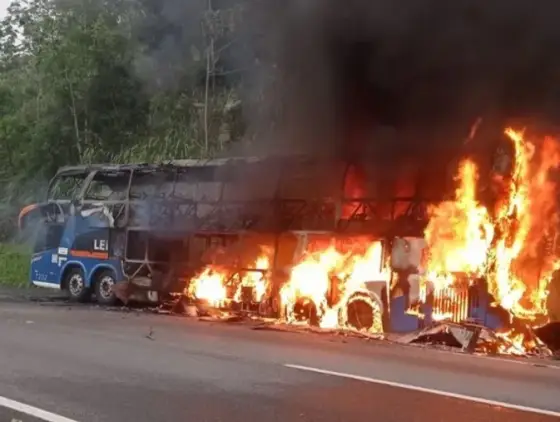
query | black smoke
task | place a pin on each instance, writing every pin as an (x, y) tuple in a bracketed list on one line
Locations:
[(425, 69)]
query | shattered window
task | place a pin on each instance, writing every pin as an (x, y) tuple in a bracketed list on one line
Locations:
[(66, 188)]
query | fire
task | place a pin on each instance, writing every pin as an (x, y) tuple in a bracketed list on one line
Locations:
[(522, 220), (255, 279), (513, 222), (311, 278), (353, 189), (327, 273), (498, 239), (513, 343), (464, 236), (460, 232), (211, 284), (328, 281)]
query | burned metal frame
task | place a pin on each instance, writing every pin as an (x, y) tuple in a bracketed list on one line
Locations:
[(275, 214), (212, 204)]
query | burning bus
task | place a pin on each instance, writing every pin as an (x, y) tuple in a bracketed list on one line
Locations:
[(229, 232), (310, 240)]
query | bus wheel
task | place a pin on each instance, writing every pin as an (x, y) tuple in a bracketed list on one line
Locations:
[(104, 284), (75, 283)]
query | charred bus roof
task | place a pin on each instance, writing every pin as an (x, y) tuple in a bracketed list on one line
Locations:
[(85, 169), (301, 176), (278, 193)]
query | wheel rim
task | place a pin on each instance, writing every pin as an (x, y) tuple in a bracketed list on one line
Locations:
[(76, 284), (106, 287)]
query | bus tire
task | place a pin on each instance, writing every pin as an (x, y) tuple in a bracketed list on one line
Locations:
[(104, 283), (75, 284)]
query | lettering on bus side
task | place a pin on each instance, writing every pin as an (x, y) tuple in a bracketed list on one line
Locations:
[(100, 245), (92, 241)]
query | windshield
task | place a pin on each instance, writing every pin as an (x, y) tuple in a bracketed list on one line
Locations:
[(65, 188)]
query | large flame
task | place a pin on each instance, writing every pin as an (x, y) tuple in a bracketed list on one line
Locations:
[(465, 237), (255, 279), (314, 280), (211, 284), (348, 272), (460, 232)]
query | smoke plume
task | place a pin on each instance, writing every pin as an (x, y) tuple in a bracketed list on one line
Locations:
[(425, 68)]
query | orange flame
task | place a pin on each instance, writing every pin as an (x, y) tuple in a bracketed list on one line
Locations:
[(210, 284), (464, 237), (255, 279), (459, 232), (349, 272)]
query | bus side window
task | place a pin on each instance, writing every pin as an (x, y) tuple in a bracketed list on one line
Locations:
[(48, 236), (152, 185), (98, 191), (108, 186)]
